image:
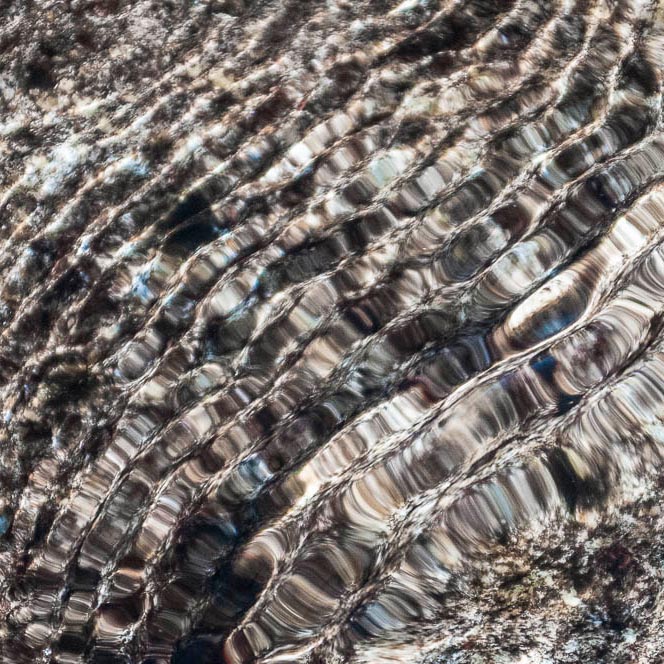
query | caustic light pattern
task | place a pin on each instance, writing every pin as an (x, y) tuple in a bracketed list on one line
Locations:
[(331, 332)]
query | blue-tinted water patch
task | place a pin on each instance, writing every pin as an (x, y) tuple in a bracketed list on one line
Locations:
[(544, 365)]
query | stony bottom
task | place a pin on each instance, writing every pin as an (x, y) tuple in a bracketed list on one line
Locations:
[(331, 332)]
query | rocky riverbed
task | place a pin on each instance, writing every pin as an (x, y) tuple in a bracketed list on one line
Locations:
[(331, 331)]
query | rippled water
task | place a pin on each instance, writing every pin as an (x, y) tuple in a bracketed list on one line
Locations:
[(333, 339)]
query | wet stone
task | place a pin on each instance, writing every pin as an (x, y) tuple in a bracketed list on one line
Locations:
[(331, 332)]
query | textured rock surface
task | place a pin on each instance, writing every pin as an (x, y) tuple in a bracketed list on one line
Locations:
[(331, 331)]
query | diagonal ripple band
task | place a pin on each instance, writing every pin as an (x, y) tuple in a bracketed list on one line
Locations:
[(331, 331)]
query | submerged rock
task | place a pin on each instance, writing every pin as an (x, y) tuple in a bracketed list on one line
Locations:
[(331, 332)]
